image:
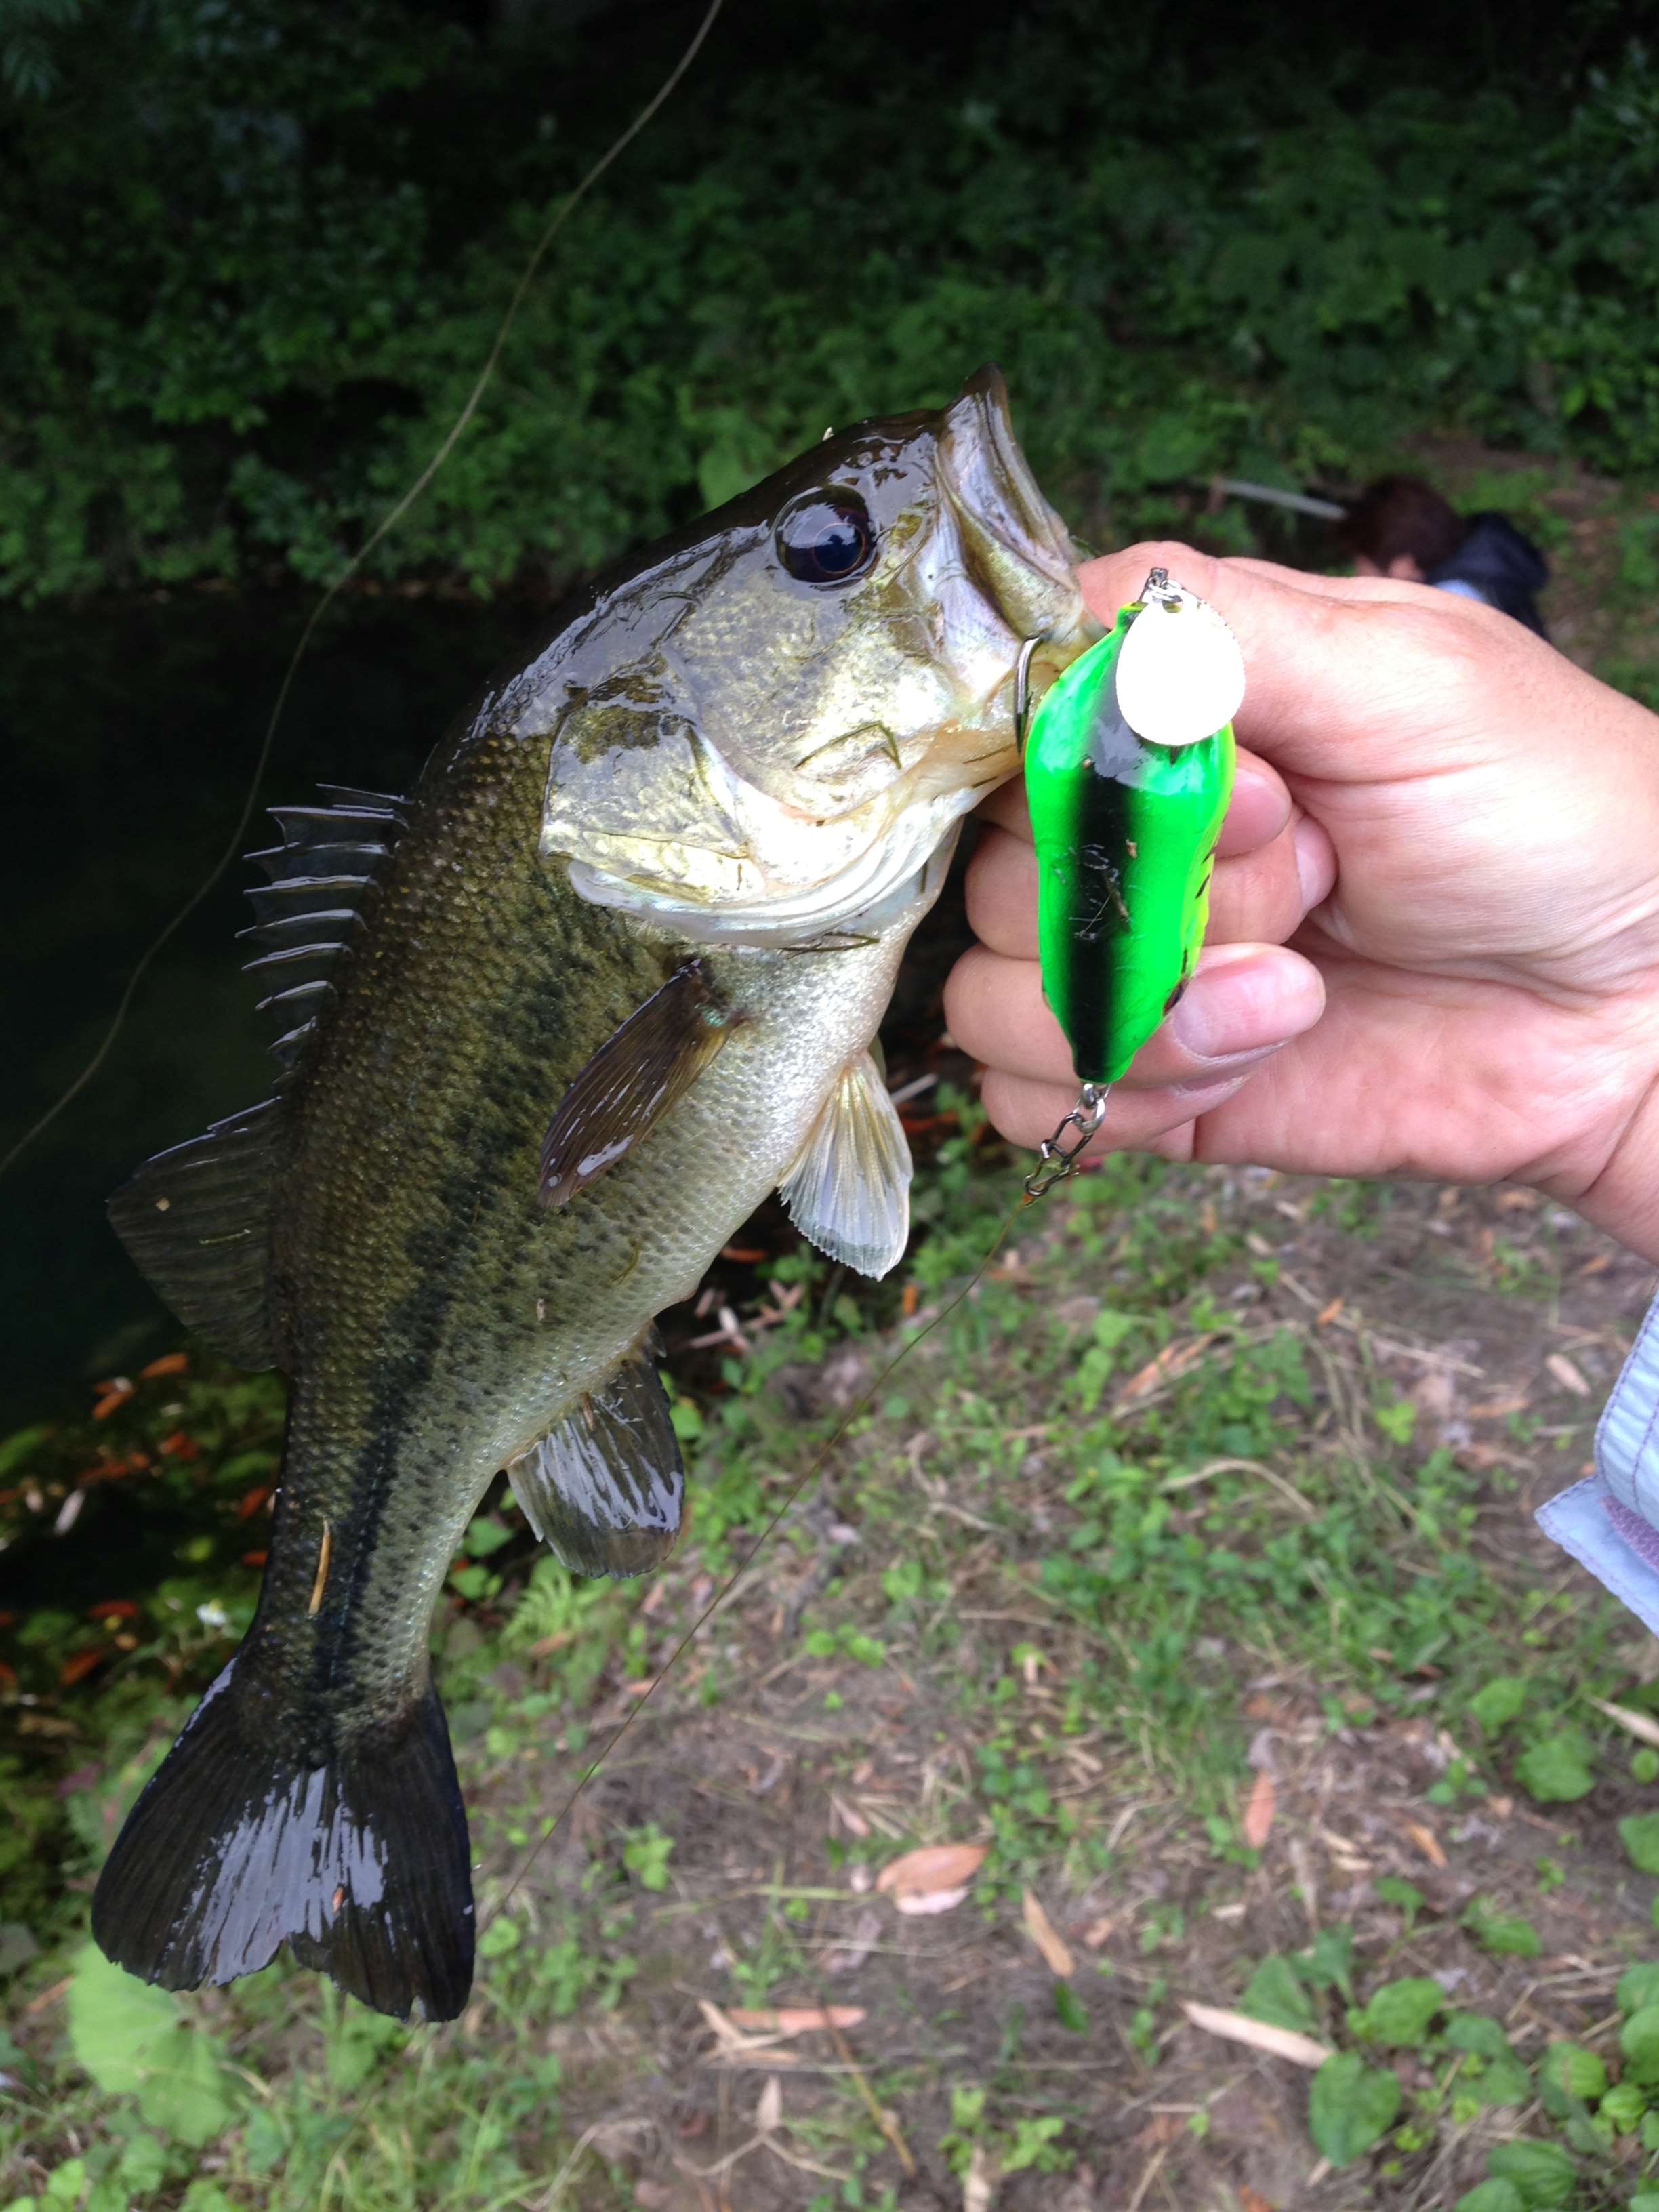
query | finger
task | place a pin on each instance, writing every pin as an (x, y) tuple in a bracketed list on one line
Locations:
[(1258, 810), (1244, 1001), (1339, 671), (1260, 897)]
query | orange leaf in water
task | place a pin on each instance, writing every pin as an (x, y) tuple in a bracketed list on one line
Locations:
[(1259, 1813)]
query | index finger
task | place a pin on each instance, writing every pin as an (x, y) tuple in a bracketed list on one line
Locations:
[(1336, 668)]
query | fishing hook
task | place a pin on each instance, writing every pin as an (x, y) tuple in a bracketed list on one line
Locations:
[(1023, 688)]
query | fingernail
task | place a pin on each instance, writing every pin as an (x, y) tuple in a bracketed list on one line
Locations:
[(1226, 1016)]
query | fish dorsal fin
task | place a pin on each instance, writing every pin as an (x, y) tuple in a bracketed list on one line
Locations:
[(632, 1080), (602, 1489), (197, 1221), (850, 1189), (322, 878)]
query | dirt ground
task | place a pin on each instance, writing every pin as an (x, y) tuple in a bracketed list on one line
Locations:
[(711, 2115)]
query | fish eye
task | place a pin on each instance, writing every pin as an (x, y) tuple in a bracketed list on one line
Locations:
[(827, 537)]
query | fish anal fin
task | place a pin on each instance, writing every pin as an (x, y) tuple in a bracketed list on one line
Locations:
[(603, 1488), (646, 1063), (197, 1221), (850, 1189)]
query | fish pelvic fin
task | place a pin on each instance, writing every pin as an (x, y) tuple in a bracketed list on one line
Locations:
[(850, 1189), (603, 1488), (360, 1864)]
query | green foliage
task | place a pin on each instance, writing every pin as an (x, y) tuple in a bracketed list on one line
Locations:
[(1350, 2106), (1542, 2174), (1498, 1702), (1556, 1769), (645, 1856), (132, 2039), (1398, 2015), (258, 250), (1506, 1934), (1639, 1834)]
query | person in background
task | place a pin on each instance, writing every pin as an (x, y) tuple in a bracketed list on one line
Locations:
[(1402, 527)]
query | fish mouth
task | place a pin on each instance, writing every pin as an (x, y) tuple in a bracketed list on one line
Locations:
[(1016, 541)]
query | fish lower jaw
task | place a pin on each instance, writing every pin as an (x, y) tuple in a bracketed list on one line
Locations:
[(864, 897)]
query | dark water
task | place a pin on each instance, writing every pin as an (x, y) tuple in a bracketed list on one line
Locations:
[(128, 735)]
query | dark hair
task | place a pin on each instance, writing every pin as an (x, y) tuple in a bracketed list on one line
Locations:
[(1402, 515)]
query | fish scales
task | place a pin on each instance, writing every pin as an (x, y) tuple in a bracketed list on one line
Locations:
[(615, 981)]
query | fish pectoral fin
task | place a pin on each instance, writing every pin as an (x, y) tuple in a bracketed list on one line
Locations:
[(850, 1189), (603, 1488), (197, 1222), (632, 1080)]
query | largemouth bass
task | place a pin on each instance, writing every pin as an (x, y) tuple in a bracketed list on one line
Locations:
[(554, 1027)]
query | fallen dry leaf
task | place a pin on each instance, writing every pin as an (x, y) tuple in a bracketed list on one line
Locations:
[(793, 2019), (1499, 1409), (1249, 2200), (1642, 1725), (1259, 1813), (768, 2111), (976, 2182), (1567, 1375), (1173, 1361), (1427, 1842), (1098, 1931), (933, 1900), (1047, 1938), (1326, 1314), (930, 1872), (1239, 2027)]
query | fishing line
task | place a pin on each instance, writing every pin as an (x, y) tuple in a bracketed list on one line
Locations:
[(815, 1468), (387, 523)]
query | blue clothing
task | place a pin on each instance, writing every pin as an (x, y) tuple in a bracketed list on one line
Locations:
[(1496, 563)]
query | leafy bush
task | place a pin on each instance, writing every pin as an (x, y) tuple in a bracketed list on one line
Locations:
[(258, 250)]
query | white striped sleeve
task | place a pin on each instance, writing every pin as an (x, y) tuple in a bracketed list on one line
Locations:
[(1610, 1521)]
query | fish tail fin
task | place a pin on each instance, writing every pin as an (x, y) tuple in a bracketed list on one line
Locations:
[(359, 1863)]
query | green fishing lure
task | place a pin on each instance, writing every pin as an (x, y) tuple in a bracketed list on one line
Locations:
[(1128, 769)]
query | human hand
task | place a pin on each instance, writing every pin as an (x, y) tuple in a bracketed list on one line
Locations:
[(1434, 942)]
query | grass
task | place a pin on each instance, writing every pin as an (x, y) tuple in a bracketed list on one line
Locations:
[(1213, 1477)]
